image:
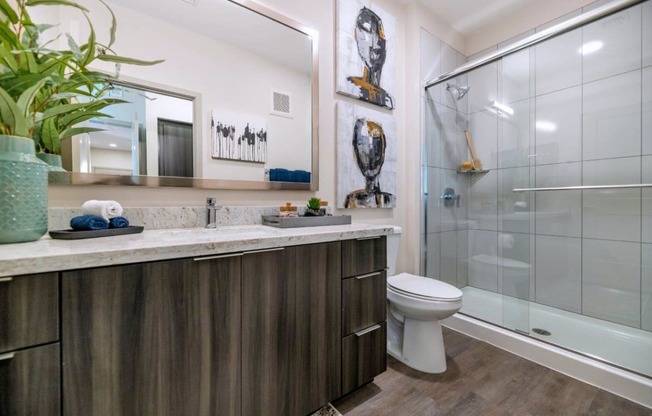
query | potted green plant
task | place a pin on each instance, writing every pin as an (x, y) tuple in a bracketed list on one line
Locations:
[(313, 209), (44, 95)]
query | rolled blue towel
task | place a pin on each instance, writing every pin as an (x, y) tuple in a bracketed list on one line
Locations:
[(88, 223), (118, 222)]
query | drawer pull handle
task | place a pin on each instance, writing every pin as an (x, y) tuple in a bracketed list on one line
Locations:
[(5, 357), (223, 256), (364, 276), (369, 238), (6, 279), (368, 330), (265, 251)]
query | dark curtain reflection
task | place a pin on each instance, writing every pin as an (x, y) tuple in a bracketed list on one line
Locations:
[(174, 148)]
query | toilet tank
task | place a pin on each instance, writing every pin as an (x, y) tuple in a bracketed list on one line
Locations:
[(393, 241)]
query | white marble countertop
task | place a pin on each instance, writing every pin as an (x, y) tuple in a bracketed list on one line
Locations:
[(48, 255)]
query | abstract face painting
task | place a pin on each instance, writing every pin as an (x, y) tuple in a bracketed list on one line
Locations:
[(365, 57), (366, 158)]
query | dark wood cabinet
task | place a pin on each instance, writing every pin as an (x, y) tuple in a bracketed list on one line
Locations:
[(364, 311), (29, 382), (268, 332), (29, 310), (364, 255), (364, 301), (151, 339), (291, 325), (364, 356)]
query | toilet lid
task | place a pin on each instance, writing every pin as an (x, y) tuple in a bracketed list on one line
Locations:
[(424, 287)]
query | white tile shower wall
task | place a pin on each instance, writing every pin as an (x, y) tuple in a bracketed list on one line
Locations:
[(558, 63), (448, 260), (612, 214), (612, 117), (483, 201), (647, 33), (483, 259), (514, 208), (579, 119), (615, 43), (611, 281), (515, 135), (646, 219), (558, 272), (558, 126), (558, 212), (646, 287), (646, 92)]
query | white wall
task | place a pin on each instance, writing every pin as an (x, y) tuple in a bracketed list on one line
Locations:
[(110, 159)]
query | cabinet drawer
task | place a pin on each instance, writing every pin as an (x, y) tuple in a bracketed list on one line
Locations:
[(29, 382), (364, 356), (29, 310), (364, 255), (364, 301)]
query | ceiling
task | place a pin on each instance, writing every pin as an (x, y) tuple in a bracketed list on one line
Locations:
[(470, 16)]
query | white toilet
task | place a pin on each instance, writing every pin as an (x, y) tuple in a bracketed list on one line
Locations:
[(415, 305)]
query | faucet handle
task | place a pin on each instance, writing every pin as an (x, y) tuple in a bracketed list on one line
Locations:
[(211, 201)]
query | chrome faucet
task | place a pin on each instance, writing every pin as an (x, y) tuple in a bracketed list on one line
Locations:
[(211, 212)]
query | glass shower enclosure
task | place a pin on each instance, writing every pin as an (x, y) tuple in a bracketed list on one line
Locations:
[(547, 229)]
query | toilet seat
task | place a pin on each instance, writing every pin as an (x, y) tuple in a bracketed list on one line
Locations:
[(423, 288)]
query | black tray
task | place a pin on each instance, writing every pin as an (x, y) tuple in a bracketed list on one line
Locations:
[(76, 235)]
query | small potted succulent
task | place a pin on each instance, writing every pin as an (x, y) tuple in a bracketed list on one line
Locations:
[(314, 208)]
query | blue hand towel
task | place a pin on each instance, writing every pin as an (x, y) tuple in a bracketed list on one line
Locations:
[(88, 223), (118, 222)]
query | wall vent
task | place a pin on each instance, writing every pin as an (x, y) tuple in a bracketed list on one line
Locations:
[(281, 104)]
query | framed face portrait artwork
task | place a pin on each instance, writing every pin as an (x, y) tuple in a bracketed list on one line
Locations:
[(366, 52), (366, 158)]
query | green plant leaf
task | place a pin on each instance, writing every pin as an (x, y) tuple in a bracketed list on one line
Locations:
[(63, 109), (27, 97), (72, 119), (8, 11), (114, 23), (50, 136), (12, 116), (73, 131), (125, 60), (74, 48), (8, 58), (31, 3)]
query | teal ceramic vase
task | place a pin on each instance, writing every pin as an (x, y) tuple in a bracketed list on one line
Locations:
[(23, 191), (53, 161)]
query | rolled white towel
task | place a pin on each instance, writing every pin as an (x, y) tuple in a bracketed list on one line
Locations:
[(104, 209)]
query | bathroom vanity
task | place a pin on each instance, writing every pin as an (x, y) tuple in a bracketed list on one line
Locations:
[(257, 322)]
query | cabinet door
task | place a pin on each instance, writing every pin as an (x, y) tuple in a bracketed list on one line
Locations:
[(29, 310), (138, 339), (29, 382), (291, 329)]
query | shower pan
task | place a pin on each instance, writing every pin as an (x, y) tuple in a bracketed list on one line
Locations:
[(554, 239)]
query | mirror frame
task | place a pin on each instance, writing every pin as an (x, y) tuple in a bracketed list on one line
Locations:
[(78, 178)]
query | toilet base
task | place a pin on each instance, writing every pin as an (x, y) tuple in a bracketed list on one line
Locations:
[(423, 346)]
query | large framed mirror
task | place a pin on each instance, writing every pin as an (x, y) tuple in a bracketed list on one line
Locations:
[(233, 106)]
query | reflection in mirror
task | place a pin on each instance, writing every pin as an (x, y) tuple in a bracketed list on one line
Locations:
[(151, 134), (232, 63)]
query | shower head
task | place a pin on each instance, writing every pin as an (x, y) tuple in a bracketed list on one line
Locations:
[(456, 91)]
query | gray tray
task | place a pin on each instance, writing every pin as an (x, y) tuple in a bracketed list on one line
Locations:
[(281, 222), (76, 235)]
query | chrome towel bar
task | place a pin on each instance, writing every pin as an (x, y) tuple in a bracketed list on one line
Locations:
[(585, 187)]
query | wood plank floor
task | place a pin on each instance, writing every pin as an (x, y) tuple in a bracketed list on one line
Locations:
[(481, 380)]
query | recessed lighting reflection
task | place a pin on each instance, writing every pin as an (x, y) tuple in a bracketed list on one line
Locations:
[(546, 126), (591, 47), (502, 107), (113, 145)]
